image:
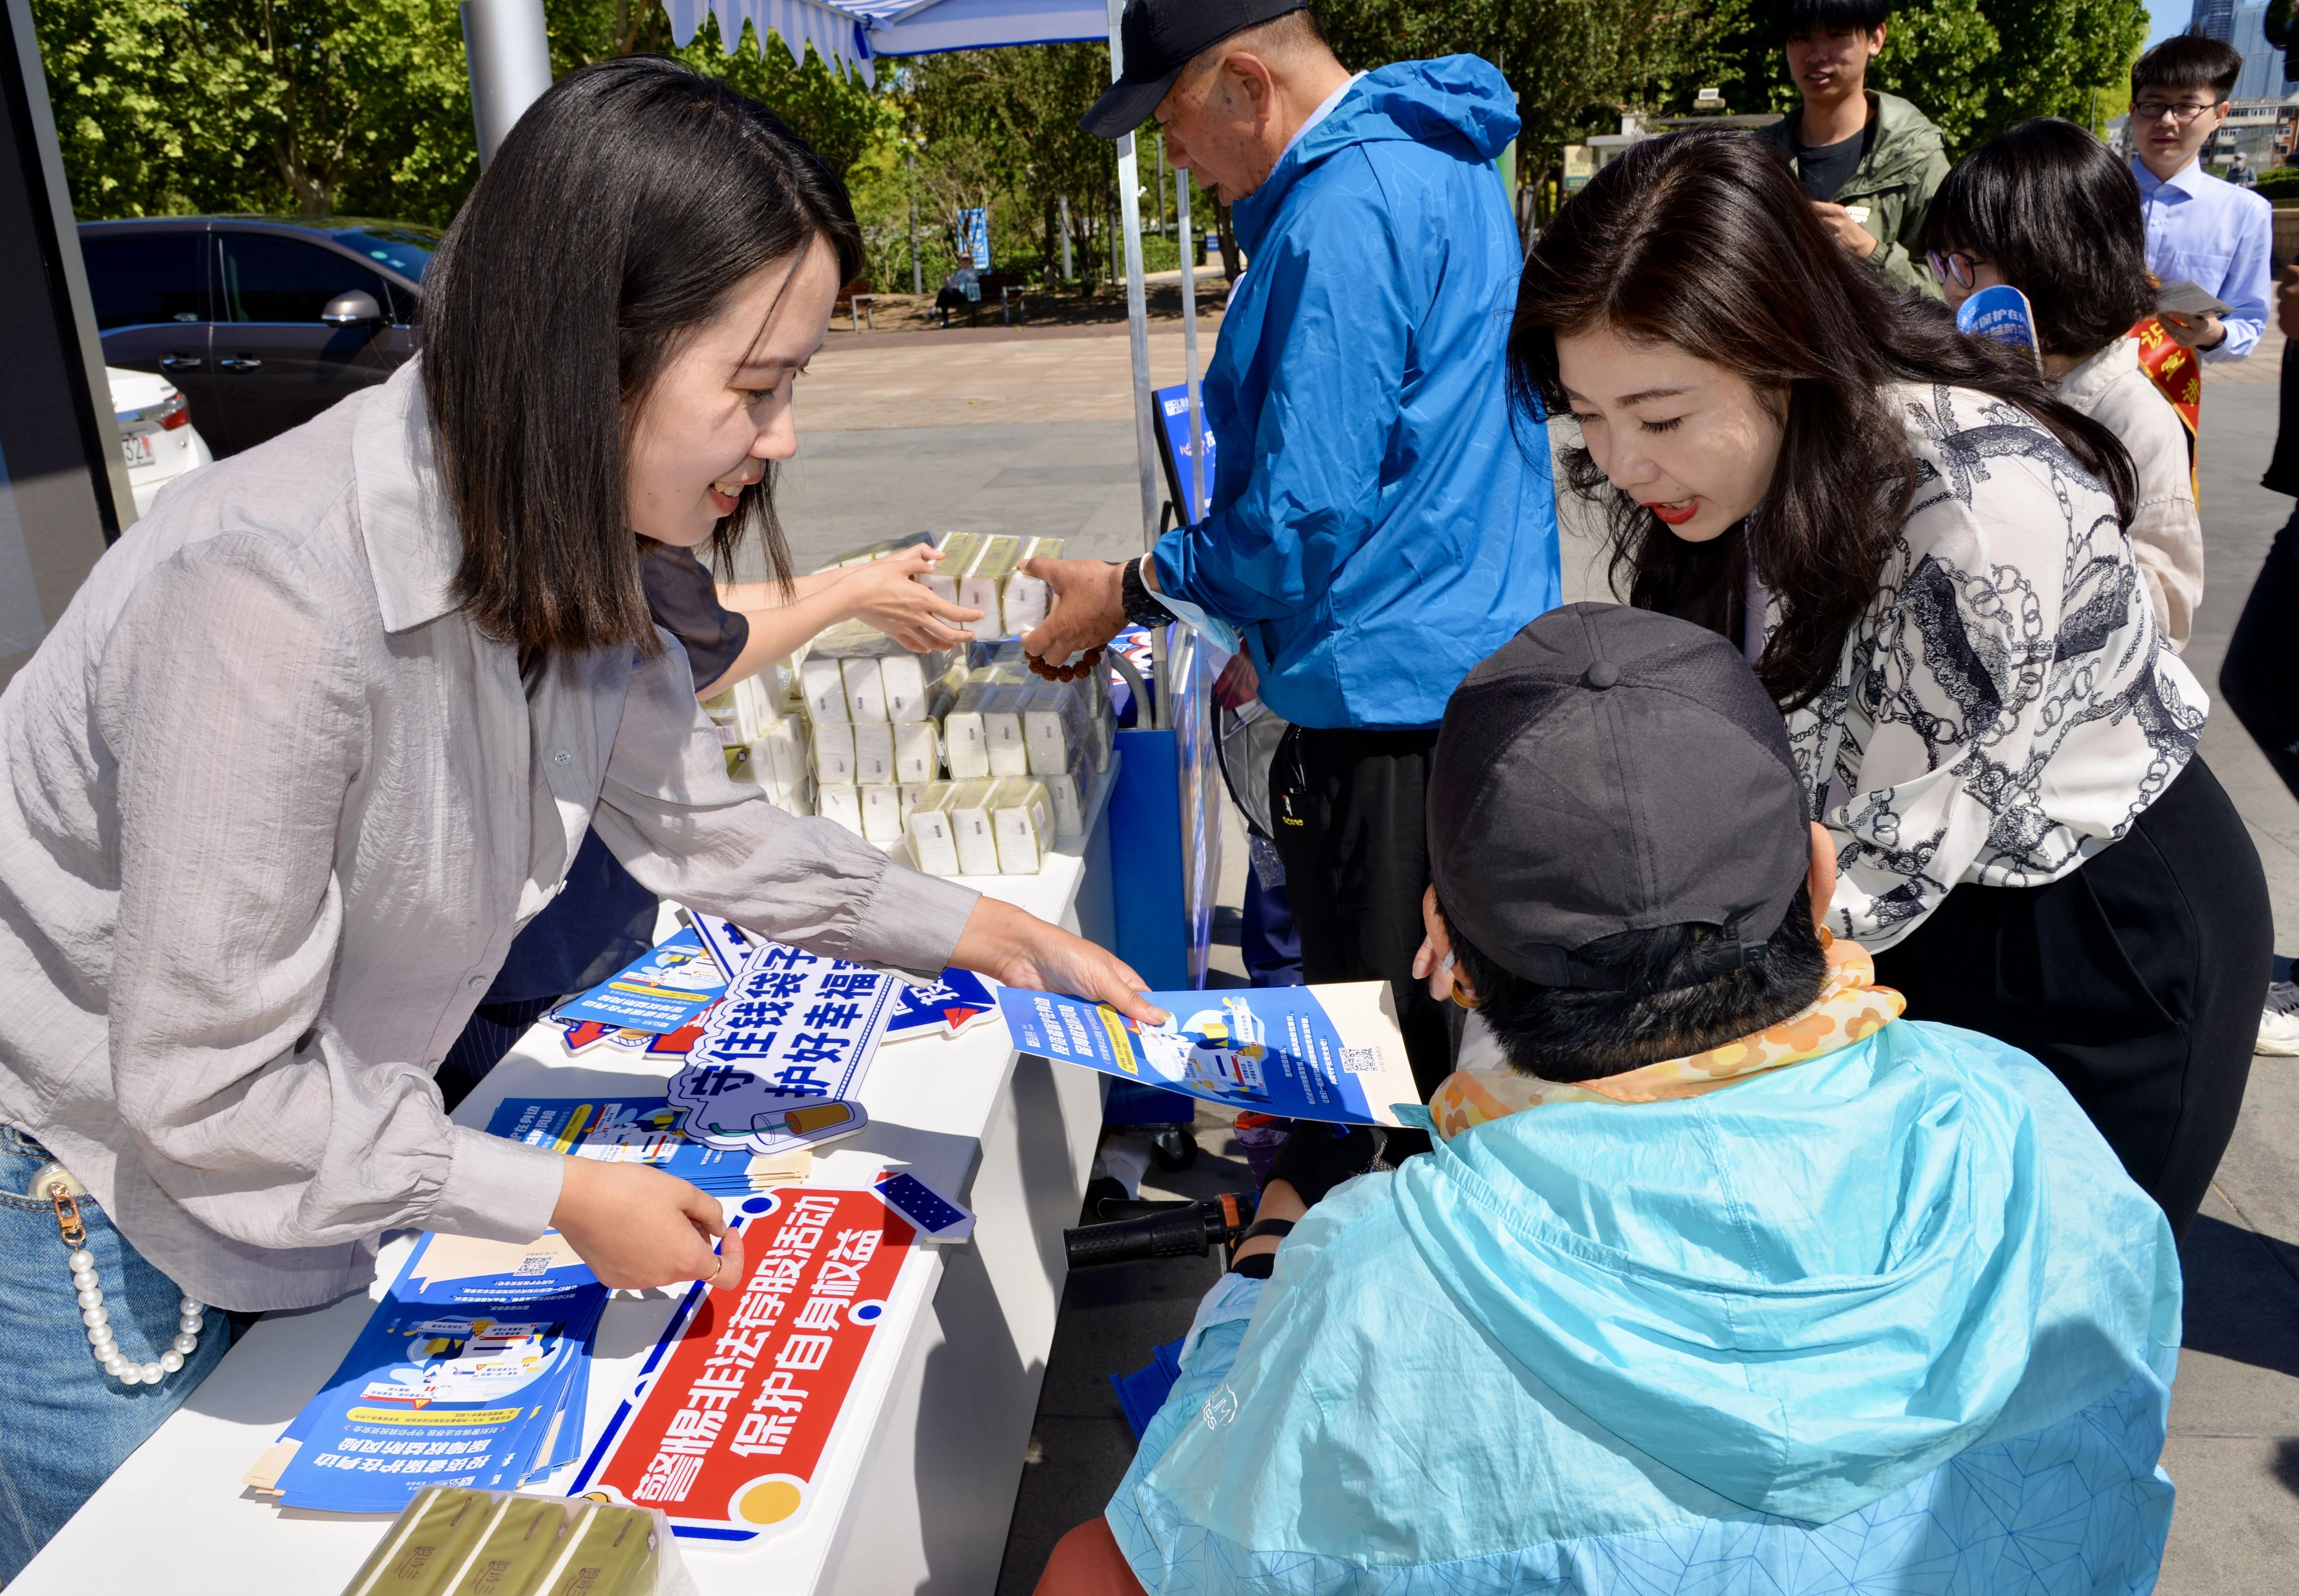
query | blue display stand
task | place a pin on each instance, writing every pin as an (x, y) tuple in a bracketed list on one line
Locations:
[(1145, 859)]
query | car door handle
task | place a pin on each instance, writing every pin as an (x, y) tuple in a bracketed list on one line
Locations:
[(239, 362), (181, 362)]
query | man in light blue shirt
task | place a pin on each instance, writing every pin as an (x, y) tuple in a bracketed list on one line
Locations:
[(2199, 228)]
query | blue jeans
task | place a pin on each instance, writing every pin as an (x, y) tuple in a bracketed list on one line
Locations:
[(64, 1423)]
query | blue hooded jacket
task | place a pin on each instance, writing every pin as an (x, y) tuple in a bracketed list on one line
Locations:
[(1892, 1319), (1378, 524)]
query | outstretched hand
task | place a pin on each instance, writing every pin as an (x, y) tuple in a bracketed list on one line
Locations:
[(1089, 608), (885, 593), (1014, 946), (639, 1227)]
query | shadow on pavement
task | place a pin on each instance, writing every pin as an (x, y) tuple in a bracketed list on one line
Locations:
[(2243, 1304)]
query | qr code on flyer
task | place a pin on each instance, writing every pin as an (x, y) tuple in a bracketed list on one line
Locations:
[(1361, 1061)]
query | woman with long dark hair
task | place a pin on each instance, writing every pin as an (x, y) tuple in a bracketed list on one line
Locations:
[(322, 731), (1922, 549)]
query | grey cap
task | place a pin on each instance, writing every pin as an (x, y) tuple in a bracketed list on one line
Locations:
[(1613, 769)]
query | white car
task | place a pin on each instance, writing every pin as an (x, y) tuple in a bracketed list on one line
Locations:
[(155, 433)]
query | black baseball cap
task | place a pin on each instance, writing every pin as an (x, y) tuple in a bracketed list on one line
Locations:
[(1612, 769), (1160, 36)]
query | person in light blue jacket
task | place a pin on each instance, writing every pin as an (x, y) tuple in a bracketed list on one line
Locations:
[(1721, 1277), (1378, 522)]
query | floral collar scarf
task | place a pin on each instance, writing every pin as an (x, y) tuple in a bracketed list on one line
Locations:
[(1850, 1008)]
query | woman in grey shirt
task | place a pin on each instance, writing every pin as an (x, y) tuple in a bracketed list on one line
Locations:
[(322, 731)]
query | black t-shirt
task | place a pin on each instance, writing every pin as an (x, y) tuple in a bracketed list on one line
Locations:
[(604, 918), (1826, 167), (686, 604)]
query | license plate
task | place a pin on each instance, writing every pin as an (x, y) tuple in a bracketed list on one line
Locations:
[(138, 448)]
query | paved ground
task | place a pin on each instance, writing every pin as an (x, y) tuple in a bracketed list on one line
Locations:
[(1034, 435)]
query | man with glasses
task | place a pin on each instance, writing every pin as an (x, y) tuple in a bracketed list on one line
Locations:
[(2199, 228)]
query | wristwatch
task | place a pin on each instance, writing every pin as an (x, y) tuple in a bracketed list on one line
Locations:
[(1140, 605)]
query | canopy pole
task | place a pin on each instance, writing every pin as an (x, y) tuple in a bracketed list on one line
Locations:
[(1137, 326), (507, 50), (1200, 490)]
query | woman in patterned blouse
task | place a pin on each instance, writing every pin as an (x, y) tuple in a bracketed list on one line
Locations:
[(1923, 553)]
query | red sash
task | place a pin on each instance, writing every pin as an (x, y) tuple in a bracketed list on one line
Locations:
[(2179, 377)]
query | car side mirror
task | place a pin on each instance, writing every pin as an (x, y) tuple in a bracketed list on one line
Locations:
[(355, 309)]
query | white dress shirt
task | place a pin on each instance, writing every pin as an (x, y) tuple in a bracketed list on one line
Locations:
[(271, 809), (2202, 230)]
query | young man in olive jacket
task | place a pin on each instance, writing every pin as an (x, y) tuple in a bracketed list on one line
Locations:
[(1868, 160)]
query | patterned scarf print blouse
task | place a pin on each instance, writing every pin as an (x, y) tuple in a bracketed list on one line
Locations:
[(2006, 707)]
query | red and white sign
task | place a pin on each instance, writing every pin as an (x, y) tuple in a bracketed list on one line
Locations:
[(728, 1433)]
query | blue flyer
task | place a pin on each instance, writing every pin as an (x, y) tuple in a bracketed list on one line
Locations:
[(463, 1375), (663, 990), (1329, 1052), (2001, 312), (635, 1130)]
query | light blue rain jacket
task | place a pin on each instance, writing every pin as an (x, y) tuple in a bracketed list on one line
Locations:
[(1376, 526), (1894, 1320)]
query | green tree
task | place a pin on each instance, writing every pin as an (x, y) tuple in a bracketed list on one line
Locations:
[(256, 105), (1974, 67), (329, 107)]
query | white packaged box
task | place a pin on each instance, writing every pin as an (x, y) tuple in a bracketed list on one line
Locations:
[(933, 839), (914, 794), (968, 749), (918, 752), (1066, 792), (1028, 599), (841, 803), (778, 758), (882, 812), (1001, 730), (958, 550), (874, 753), (970, 829), (865, 690), (983, 585), (1022, 821), (833, 755), (821, 687), (1053, 727)]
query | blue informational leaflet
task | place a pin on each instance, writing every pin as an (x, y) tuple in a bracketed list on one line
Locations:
[(473, 1370), (1329, 1052), (2001, 312), (663, 990), (631, 1130)]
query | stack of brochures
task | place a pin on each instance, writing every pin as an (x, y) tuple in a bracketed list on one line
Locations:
[(472, 1371), (643, 1130)]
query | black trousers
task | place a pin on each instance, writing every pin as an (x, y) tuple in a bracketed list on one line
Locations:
[(2260, 679), (1355, 868), (2136, 980)]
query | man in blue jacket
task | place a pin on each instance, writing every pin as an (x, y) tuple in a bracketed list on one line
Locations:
[(1721, 1277), (1377, 524)]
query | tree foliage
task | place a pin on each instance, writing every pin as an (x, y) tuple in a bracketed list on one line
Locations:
[(362, 106), (345, 107), (1975, 67)]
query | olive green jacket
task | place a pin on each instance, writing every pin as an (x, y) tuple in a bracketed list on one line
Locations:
[(1896, 179)]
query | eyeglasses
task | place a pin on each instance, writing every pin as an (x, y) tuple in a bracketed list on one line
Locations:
[(2155, 110), (1957, 265)]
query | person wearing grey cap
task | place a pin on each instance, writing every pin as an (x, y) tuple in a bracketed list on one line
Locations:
[(1925, 552), (1717, 1263), (1376, 527)]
